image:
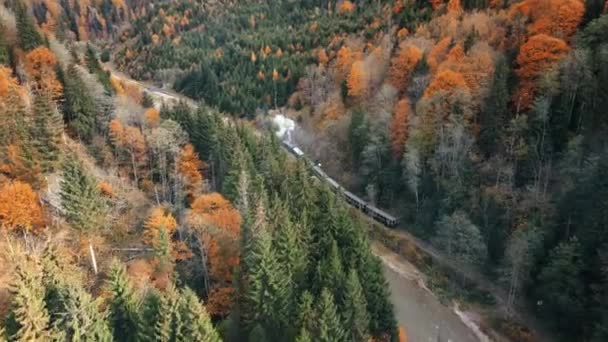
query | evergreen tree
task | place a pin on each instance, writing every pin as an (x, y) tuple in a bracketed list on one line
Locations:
[(560, 287), (330, 274), (47, 131), (82, 320), (495, 110), (269, 290), (80, 112), (358, 135), (355, 315), (328, 324), (124, 314), (95, 68), (147, 101), (290, 252), (29, 318), (303, 336), (5, 56), (161, 320), (306, 313), (379, 307), (80, 197), (27, 33), (196, 324)]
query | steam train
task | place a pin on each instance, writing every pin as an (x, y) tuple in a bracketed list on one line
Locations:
[(354, 200)]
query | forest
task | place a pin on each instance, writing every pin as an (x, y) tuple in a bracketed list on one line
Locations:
[(479, 123), (125, 220)]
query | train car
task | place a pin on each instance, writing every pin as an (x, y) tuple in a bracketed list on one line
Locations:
[(355, 200), (298, 152), (382, 216), (332, 182)]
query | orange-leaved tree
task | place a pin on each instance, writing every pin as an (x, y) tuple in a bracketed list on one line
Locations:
[(558, 18), (19, 207), (402, 66), (446, 80), (540, 53), (438, 52), (131, 142), (219, 225), (400, 127), (40, 66), (358, 80), (191, 167), (152, 117)]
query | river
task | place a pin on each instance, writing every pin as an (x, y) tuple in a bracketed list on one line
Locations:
[(424, 318)]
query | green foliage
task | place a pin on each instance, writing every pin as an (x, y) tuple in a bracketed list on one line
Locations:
[(80, 197), (560, 288), (28, 319), (96, 69), (47, 131), (124, 312), (355, 309), (327, 320), (27, 33), (460, 238), (196, 324), (79, 109), (5, 56)]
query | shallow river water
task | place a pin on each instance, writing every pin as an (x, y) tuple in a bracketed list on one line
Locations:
[(425, 319)]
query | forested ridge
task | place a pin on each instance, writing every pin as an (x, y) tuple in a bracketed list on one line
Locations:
[(124, 220), (480, 123)]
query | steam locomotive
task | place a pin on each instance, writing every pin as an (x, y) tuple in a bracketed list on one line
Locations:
[(354, 200)]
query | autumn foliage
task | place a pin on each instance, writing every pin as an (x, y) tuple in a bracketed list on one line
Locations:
[(438, 52), (19, 207), (159, 219), (558, 18), (152, 117), (358, 80), (537, 55), (446, 80), (400, 126), (403, 65), (190, 167), (219, 223), (40, 66)]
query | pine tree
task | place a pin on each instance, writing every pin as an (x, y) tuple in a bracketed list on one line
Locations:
[(290, 252), (28, 35), (147, 101), (379, 306), (303, 336), (80, 112), (47, 131), (124, 314), (95, 68), (355, 315), (80, 197), (29, 318), (268, 290), (4, 49), (306, 313), (328, 324), (196, 322), (82, 320), (161, 319), (330, 273)]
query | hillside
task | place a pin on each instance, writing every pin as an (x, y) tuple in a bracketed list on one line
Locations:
[(121, 221), (480, 123)]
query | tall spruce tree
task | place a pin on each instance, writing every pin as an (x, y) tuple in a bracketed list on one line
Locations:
[(80, 112), (328, 324), (80, 197), (27, 33), (269, 290), (124, 316), (47, 131), (95, 68), (356, 320), (196, 324), (28, 319)]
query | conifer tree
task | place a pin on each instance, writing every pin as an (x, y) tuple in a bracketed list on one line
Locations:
[(330, 273), (147, 101), (328, 324), (4, 50), (81, 319), (47, 130), (29, 318), (196, 322), (356, 320), (290, 252), (124, 314), (303, 336), (379, 307), (27, 34), (80, 197), (95, 68), (306, 313), (269, 290), (161, 319), (80, 112)]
